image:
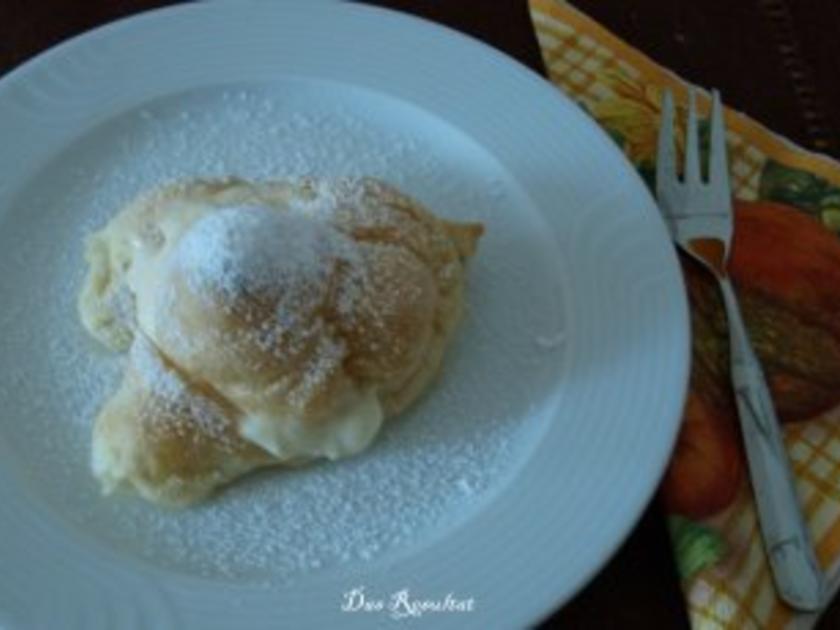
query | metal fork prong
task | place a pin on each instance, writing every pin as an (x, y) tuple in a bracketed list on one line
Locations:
[(691, 174), (666, 155), (718, 164)]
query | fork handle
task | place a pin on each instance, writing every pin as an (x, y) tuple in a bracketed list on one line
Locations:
[(796, 573)]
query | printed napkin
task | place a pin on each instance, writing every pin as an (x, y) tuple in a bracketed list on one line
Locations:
[(786, 266)]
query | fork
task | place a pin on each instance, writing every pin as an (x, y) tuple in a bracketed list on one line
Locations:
[(699, 215)]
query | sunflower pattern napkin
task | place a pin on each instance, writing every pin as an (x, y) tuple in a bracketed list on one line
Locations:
[(786, 266)]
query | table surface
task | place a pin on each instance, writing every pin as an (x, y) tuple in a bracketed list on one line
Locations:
[(774, 59)]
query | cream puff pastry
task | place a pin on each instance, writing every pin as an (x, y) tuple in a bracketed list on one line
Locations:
[(264, 323)]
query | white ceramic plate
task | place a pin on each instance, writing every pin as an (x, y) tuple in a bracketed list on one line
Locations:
[(510, 484)]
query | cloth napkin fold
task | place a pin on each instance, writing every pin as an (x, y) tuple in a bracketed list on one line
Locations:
[(786, 266)]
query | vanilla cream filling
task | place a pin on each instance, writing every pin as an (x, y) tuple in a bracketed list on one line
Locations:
[(347, 433)]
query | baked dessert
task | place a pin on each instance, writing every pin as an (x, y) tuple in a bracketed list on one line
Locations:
[(264, 323)]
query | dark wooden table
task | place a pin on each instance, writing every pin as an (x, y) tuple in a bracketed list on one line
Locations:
[(778, 60)]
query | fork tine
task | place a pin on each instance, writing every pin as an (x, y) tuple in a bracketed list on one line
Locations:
[(718, 165), (691, 174), (666, 158)]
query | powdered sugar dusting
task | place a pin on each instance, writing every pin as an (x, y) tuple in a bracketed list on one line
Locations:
[(181, 409), (326, 360), (430, 468), (325, 198), (282, 258), (236, 251)]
